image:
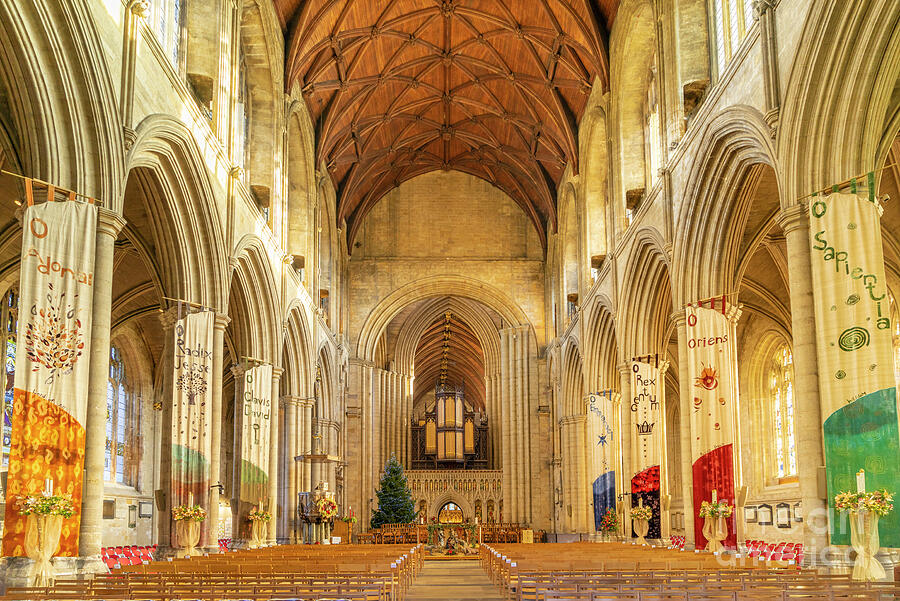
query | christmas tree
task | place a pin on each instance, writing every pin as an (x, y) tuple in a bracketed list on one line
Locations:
[(395, 502)]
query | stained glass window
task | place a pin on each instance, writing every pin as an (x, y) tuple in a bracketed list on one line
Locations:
[(782, 391), (10, 315), (122, 421), (166, 20), (732, 20)]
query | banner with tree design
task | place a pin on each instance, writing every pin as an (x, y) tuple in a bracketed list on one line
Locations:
[(256, 414), (712, 373), (853, 336), (648, 438), (52, 363), (191, 405), (603, 439)]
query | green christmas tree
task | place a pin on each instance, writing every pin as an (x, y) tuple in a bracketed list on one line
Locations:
[(395, 502)]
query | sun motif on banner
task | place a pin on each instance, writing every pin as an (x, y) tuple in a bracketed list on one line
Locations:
[(708, 379)]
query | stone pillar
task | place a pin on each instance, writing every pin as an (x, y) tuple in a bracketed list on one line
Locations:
[(765, 12), (291, 467), (684, 409), (794, 221), (625, 442), (215, 461), (135, 10), (508, 476), (274, 420), (109, 224), (238, 371)]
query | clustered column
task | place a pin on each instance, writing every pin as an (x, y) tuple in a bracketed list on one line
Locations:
[(518, 384), (273, 454), (215, 460), (684, 434), (625, 442), (109, 225), (810, 457)]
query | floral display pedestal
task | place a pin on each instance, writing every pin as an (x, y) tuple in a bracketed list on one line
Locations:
[(258, 530), (187, 534), (41, 543), (641, 528), (15, 571), (865, 541), (715, 529)]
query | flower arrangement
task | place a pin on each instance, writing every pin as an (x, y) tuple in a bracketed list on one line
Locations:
[(610, 521), (45, 504), (193, 513), (721, 509), (326, 508), (880, 502), (259, 515), (641, 512), (350, 519)]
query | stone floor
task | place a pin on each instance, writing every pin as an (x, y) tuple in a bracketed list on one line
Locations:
[(453, 580)]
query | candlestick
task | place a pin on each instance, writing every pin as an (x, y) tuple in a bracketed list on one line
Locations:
[(861, 481), (48, 487), (715, 496)]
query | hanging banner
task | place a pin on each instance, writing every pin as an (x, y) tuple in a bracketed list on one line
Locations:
[(648, 443), (603, 436), (712, 372), (853, 337), (256, 413), (191, 405), (52, 363)]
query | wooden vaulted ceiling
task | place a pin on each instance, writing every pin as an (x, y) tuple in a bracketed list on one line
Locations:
[(494, 88), (449, 348)]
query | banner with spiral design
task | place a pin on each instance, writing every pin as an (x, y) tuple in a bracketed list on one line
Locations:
[(56, 290), (854, 343)]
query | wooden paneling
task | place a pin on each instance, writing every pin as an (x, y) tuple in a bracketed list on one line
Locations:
[(493, 88)]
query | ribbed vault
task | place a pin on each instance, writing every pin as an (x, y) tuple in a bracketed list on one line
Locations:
[(493, 88), (449, 352)]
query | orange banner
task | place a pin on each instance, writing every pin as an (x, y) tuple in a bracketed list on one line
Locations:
[(52, 364)]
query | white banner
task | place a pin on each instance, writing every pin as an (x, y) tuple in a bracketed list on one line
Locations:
[(256, 420), (712, 371), (603, 431), (191, 404), (853, 326), (647, 416), (56, 290)]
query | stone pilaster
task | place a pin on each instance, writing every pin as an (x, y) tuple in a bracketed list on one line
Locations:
[(794, 221), (625, 442), (684, 409), (273, 455), (109, 225), (215, 461)]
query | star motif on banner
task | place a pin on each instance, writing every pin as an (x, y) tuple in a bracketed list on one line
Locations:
[(601, 440)]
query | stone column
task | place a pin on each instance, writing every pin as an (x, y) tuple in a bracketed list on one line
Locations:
[(215, 461), (508, 478), (273, 455), (131, 33), (765, 12), (291, 468), (238, 371), (794, 221), (109, 224), (684, 409), (625, 441)]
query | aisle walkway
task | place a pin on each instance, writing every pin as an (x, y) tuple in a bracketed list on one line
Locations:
[(453, 580)]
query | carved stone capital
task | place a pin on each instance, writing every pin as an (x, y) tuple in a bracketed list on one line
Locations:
[(793, 218)]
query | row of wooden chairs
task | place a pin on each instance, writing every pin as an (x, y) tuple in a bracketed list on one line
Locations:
[(614, 571), (313, 572)]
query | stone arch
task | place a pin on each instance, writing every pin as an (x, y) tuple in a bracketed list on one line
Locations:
[(183, 210), (850, 117), (262, 45), (448, 285), (252, 303), (299, 373), (572, 378), (647, 301), (633, 45), (601, 347), (712, 217), (450, 497), (301, 182), (54, 144), (595, 160)]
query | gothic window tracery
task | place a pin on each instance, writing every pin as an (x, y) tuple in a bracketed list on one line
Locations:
[(732, 20), (122, 424), (782, 398), (166, 20), (9, 313)]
